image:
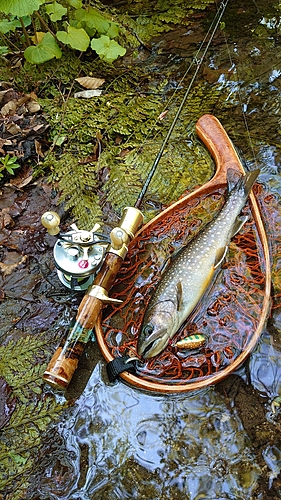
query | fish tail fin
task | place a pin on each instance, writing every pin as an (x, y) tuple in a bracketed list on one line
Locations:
[(241, 183)]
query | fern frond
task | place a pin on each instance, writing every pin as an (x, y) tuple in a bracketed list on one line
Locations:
[(131, 118), (33, 413)]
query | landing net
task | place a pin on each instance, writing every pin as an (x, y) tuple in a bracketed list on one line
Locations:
[(227, 316)]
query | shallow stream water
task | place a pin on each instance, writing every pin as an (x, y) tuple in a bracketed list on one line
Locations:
[(119, 443)]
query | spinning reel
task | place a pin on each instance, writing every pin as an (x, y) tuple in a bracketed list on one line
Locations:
[(78, 254)]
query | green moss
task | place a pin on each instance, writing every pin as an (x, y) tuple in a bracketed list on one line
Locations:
[(148, 20), (132, 137)]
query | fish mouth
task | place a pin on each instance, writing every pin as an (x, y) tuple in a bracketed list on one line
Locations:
[(146, 351), (153, 347)]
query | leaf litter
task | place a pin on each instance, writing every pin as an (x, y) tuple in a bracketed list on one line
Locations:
[(23, 129)]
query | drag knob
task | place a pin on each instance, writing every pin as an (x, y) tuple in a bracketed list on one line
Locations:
[(51, 220)]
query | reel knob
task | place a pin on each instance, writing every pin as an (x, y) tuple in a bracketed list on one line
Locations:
[(51, 220), (73, 253), (118, 237)]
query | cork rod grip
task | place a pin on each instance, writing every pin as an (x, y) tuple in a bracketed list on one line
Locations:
[(64, 362)]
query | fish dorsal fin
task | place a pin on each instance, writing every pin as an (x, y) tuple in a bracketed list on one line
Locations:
[(179, 295), (220, 255), (238, 224)]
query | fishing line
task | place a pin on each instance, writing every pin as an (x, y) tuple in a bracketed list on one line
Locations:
[(219, 15), (240, 100), (197, 60)]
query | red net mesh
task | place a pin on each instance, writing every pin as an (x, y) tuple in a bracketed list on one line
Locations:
[(227, 315)]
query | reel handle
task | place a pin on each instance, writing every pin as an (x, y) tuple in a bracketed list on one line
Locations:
[(64, 362), (51, 221)]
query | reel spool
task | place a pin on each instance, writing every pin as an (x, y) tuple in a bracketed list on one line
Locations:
[(78, 254)]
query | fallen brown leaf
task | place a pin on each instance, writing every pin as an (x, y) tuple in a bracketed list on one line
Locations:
[(33, 106), (38, 148), (89, 82), (13, 128), (4, 142), (5, 218), (9, 95), (12, 261), (9, 108), (23, 178)]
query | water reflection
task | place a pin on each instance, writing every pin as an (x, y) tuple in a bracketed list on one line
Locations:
[(265, 362), (128, 444)]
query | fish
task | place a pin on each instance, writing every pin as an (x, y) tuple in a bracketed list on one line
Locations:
[(191, 271)]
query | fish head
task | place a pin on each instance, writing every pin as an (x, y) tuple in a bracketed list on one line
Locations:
[(157, 329)]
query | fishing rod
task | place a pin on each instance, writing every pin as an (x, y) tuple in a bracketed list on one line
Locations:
[(79, 255), (216, 22)]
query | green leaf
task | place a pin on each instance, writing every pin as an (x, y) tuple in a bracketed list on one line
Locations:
[(4, 50), (12, 159), (113, 30), (107, 49), (58, 140), (26, 20), (77, 4), (79, 24), (5, 159), (45, 50), (11, 168), (56, 11), (77, 38), (93, 19), (20, 8), (6, 26)]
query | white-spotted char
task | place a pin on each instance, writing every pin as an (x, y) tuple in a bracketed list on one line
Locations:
[(189, 275)]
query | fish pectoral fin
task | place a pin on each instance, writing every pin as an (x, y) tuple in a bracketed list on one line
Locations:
[(220, 255), (165, 264), (179, 295), (239, 223)]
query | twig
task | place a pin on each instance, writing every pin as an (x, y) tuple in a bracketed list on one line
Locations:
[(34, 29), (25, 32), (45, 25)]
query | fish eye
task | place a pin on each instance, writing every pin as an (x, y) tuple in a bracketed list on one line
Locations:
[(148, 329)]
